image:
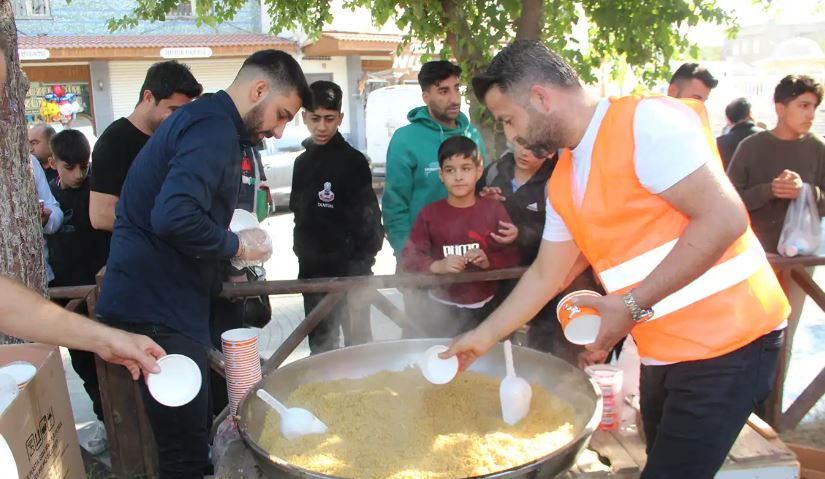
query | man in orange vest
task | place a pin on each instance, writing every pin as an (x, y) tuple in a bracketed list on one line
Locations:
[(639, 191)]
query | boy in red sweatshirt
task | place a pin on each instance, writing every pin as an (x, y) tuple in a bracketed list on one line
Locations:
[(458, 234)]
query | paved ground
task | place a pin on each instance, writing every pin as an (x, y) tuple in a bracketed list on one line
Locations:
[(808, 356)]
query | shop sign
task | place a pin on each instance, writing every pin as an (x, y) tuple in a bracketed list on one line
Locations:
[(186, 52), (33, 54)]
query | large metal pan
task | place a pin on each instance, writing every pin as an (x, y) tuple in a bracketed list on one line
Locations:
[(557, 376)]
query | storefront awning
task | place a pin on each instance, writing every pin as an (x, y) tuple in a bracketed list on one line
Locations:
[(342, 44), (136, 47)]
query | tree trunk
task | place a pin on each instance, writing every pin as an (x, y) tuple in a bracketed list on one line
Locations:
[(21, 234), (473, 61), (531, 20)]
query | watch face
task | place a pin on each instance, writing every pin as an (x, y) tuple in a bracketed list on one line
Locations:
[(645, 315)]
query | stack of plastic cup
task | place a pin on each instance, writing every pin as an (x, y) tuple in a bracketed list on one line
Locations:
[(609, 380), (243, 364)]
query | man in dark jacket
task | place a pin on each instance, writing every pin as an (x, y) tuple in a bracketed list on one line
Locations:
[(171, 232), (739, 116), (337, 220)]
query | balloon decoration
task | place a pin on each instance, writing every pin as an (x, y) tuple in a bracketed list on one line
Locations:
[(59, 105)]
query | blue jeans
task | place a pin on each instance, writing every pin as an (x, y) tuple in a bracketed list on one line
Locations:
[(693, 411)]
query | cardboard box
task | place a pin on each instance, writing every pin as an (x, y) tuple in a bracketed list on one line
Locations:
[(811, 460), (39, 426)]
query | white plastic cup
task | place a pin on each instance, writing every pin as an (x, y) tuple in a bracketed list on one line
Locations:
[(609, 379), (435, 369)]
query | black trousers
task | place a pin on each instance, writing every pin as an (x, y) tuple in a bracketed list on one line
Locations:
[(181, 433), (327, 335), (83, 363), (693, 411)]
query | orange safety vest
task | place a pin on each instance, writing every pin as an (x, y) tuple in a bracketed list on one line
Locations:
[(625, 231)]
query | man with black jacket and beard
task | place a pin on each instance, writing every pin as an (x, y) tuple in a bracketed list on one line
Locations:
[(337, 220)]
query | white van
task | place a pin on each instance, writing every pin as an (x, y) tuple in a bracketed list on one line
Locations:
[(386, 111)]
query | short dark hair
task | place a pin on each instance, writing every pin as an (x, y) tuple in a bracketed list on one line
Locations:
[(523, 62), (283, 70), (436, 71), (70, 146), (738, 110), (325, 94), (48, 131), (690, 71), (457, 145), (792, 86), (164, 79)]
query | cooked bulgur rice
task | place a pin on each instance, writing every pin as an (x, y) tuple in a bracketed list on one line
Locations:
[(395, 425)]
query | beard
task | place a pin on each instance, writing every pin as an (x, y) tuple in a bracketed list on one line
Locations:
[(545, 135), (444, 116), (253, 121)]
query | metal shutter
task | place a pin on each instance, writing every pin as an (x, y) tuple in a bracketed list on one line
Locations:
[(126, 78)]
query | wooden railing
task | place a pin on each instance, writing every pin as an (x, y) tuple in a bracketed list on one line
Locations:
[(794, 271), (130, 440)]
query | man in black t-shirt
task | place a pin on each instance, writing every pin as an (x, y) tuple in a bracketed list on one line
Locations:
[(168, 85)]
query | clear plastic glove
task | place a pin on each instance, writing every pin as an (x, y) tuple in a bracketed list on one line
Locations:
[(255, 248)]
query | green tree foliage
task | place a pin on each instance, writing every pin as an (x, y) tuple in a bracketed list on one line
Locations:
[(640, 34), (644, 34)]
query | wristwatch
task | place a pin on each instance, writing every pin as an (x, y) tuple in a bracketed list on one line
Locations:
[(637, 313)]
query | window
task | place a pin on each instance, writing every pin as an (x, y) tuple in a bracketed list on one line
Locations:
[(185, 9), (32, 8)]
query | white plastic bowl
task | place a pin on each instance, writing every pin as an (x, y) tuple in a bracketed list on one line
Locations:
[(435, 369), (7, 463), (178, 381), (21, 371), (243, 220)]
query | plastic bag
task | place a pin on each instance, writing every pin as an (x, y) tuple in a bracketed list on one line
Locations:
[(261, 250), (801, 233)]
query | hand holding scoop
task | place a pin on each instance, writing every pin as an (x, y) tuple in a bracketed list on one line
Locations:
[(514, 392), (295, 422)]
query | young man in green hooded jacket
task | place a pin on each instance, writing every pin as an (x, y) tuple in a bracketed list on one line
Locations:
[(412, 157)]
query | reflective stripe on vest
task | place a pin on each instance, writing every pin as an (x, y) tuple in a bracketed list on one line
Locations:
[(718, 278), (625, 232)]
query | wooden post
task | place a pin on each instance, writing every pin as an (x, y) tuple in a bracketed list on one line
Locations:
[(308, 324), (131, 443), (358, 329)]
